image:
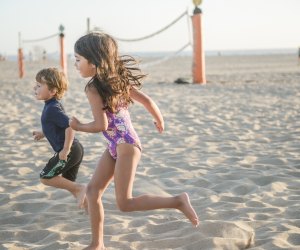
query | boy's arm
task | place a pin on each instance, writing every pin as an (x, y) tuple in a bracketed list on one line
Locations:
[(69, 137), (151, 106)]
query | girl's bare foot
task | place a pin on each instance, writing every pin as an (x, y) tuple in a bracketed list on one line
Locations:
[(91, 247), (186, 208)]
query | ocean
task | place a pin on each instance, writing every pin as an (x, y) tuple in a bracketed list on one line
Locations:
[(162, 54)]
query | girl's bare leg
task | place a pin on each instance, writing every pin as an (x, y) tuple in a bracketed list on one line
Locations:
[(95, 189), (78, 190), (126, 164)]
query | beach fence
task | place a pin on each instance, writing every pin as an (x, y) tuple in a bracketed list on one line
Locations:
[(198, 67), (62, 57)]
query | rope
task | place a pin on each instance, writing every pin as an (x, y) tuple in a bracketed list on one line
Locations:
[(153, 34), (166, 57), (39, 39)]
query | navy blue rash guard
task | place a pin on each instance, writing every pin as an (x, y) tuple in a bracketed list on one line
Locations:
[(54, 123)]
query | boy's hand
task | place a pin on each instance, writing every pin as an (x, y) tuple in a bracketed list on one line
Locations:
[(37, 135), (63, 154)]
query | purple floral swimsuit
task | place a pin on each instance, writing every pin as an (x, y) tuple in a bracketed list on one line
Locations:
[(120, 130)]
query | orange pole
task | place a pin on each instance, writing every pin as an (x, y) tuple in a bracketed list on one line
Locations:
[(20, 57), (63, 61), (299, 56), (21, 62), (198, 53)]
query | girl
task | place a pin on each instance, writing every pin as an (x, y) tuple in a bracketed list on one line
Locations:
[(114, 84)]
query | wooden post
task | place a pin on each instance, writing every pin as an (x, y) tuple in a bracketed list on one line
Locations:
[(21, 62), (198, 53), (63, 61), (299, 56), (88, 25), (20, 58)]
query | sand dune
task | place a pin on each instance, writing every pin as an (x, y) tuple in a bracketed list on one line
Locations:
[(232, 144)]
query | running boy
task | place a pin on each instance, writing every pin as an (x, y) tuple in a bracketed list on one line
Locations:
[(61, 170)]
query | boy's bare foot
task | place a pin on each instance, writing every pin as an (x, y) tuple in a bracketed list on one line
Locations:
[(81, 198), (186, 208)]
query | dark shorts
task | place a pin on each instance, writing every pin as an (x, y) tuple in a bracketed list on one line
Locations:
[(68, 169)]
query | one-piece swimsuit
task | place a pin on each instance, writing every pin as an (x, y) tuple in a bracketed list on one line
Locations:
[(120, 130)]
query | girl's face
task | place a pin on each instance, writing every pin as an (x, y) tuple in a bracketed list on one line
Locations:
[(42, 92), (85, 68)]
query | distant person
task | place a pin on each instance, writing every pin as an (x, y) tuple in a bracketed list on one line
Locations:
[(114, 84), (61, 170), (44, 55), (30, 56)]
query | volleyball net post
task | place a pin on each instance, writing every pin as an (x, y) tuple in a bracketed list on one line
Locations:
[(62, 56), (63, 61), (20, 58), (198, 52)]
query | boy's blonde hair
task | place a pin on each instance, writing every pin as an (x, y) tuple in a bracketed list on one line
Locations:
[(55, 79)]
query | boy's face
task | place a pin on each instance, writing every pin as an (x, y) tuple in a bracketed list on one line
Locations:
[(42, 92)]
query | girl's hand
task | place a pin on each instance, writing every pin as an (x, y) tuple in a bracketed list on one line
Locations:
[(159, 126), (74, 123), (37, 135)]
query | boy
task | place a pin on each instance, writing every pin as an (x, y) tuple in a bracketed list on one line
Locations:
[(61, 170)]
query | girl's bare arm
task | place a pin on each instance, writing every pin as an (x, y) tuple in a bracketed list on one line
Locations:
[(151, 107), (100, 122)]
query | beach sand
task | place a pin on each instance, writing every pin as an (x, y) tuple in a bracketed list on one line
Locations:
[(233, 145)]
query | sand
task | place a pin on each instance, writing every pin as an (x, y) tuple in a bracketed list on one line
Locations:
[(233, 145)]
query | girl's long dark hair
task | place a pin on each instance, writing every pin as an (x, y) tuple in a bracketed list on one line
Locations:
[(116, 75)]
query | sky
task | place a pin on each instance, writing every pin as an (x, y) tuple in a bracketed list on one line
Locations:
[(226, 24)]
